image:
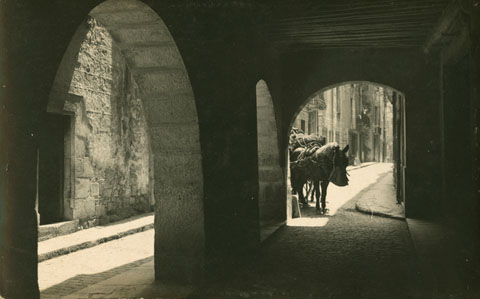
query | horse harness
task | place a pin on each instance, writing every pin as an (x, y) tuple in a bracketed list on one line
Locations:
[(305, 157)]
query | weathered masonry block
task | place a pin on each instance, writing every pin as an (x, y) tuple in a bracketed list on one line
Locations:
[(271, 196), (110, 152)]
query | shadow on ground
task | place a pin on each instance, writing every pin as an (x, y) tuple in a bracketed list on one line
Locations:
[(351, 255), (79, 282)]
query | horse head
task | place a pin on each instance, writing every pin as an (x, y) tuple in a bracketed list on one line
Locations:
[(338, 175)]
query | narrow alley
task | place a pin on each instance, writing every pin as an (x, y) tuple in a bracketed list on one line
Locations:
[(346, 254)]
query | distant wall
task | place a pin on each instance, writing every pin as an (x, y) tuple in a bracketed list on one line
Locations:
[(109, 174)]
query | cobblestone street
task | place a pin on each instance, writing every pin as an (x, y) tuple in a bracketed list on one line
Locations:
[(352, 256), (346, 254)]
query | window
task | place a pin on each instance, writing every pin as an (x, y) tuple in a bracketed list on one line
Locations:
[(352, 114), (312, 122), (302, 125), (337, 98)]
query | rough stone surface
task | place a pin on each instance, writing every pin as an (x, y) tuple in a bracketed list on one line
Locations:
[(150, 56), (112, 150), (168, 80), (167, 110), (46, 232), (83, 209), (175, 138), (150, 73), (348, 255), (82, 188), (270, 174), (132, 35), (164, 86)]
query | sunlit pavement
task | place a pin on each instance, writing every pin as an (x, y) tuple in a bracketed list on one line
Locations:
[(359, 180), (63, 275), (345, 254)]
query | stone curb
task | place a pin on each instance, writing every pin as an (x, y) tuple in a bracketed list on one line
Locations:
[(367, 210), (84, 245), (365, 207)]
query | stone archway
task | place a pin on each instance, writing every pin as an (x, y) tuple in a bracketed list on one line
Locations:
[(353, 132), (160, 82), (270, 174)]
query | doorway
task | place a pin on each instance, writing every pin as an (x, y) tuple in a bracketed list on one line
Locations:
[(51, 168)]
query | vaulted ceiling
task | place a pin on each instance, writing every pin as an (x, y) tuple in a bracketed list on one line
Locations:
[(317, 24)]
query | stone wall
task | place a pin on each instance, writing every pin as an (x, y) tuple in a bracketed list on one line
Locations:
[(367, 125), (271, 198), (389, 131), (113, 176)]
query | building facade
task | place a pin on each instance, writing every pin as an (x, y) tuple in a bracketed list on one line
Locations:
[(358, 114)]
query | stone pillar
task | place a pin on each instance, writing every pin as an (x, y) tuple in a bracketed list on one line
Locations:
[(18, 218), (270, 174), (36, 195), (422, 181)]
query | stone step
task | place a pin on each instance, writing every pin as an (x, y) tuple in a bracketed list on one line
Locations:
[(49, 231), (87, 238)]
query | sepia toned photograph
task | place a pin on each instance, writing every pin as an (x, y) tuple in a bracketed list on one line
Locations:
[(197, 149)]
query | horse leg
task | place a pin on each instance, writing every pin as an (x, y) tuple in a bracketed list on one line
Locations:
[(317, 193), (324, 195), (297, 186), (307, 189), (312, 190), (301, 197)]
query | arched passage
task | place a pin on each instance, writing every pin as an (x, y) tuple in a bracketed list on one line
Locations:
[(308, 72), (270, 173), (160, 84), (368, 116)]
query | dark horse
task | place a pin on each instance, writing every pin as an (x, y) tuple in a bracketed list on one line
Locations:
[(325, 164)]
